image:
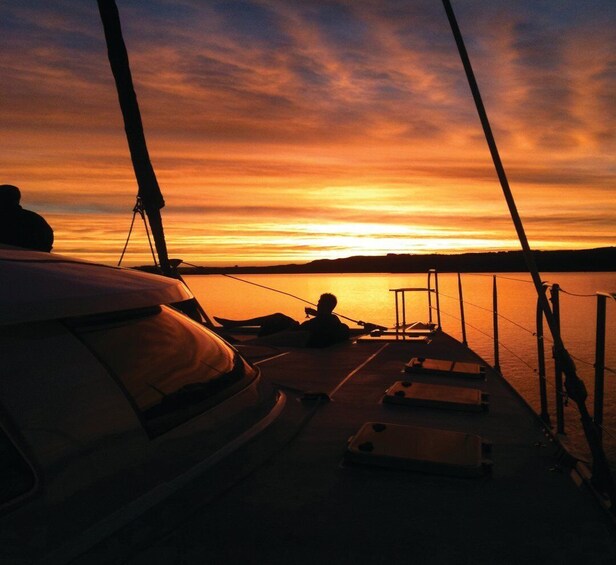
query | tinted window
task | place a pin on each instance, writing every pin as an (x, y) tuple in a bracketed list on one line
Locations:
[(16, 476), (171, 367)]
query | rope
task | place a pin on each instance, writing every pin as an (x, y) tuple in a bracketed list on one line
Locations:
[(358, 322), (272, 289), (147, 231), (138, 209), (130, 231), (545, 337), (501, 344), (498, 277), (577, 295), (591, 364), (491, 311), (530, 332), (607, 431)]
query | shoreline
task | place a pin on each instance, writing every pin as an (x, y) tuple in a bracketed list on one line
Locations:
[(588, 260)]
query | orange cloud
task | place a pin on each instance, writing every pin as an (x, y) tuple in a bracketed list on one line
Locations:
[(287, 131)]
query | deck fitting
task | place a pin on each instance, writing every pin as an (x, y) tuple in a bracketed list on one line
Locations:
[(414, 448), (311, 398), (445, 368), (437, 396)]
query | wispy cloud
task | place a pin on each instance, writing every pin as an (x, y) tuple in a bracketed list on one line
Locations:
[(266, 118)]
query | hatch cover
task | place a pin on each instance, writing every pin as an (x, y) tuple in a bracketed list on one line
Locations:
[(445, 367), (427, 450), (436, 396)]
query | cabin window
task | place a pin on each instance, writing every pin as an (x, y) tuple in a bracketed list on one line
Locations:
[(171, 367), (16, 476)]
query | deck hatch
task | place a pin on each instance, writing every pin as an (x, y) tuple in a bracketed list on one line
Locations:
[(414, 448), (436, 396), (390, 335), (445, 367)]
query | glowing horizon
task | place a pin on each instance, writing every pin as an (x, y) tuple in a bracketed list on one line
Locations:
[(286, 132)]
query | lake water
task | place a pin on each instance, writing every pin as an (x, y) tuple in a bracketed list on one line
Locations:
[(367, 297)]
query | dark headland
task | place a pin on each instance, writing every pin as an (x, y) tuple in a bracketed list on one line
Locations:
[(600, 259)]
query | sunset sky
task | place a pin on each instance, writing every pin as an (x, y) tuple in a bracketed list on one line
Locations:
[(286, 131)]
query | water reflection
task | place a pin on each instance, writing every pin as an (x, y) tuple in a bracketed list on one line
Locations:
[(366, 297)]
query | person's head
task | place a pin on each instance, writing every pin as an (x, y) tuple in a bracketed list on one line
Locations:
[(9, 196), (327, 303)]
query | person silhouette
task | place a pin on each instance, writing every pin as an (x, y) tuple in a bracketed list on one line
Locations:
[(321, 331), (19, 227)]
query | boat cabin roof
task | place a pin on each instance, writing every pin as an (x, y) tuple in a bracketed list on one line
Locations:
[(39, 286)]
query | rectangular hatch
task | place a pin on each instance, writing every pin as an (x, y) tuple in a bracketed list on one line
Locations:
[(445, 367), (414, 448), (436, 396)]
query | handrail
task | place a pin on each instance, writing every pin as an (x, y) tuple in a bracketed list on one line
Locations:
[(558, 371), (602, 478), (462, 319), (543, 394), (495, 324), (558, 386), (433, 272), (400, 302), (600, 358)]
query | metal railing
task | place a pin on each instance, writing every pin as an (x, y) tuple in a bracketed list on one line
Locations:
[(600, 357), (402, 326), (560, 394)]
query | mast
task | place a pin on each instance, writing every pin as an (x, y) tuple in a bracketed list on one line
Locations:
[(150, 198), (576, 389)]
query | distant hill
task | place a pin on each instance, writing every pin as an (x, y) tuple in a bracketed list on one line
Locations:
[(601, 259)]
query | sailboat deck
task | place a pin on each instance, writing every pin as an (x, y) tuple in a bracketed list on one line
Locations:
[(291, 496)]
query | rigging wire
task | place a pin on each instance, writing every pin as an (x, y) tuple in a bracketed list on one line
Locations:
[(546, 338), (489, 310), (138, 209), (601, 474), (577, 295), (147, 231), (498, 277), (548, 382), (607, 431), (580, 360), (130, 231), (358, 322), (270, 288), (534, 369), (259, 285)]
